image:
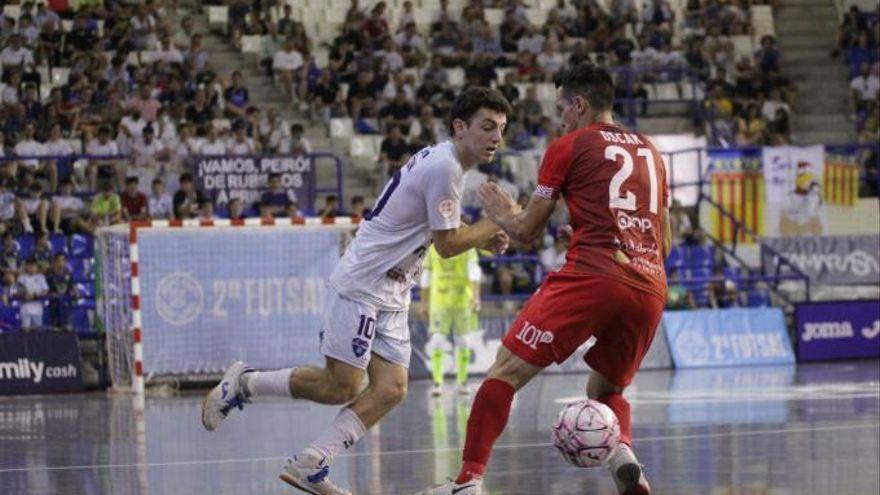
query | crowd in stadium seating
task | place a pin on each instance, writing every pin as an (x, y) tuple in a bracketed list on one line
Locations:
[(858, 42)]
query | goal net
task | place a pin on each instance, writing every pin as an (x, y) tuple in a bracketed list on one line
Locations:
[(183, 300)]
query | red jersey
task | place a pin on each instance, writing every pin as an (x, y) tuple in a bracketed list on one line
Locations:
[(614, 183)]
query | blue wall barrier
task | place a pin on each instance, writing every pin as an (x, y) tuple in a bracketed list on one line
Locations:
[(727, 337), (838, 330)]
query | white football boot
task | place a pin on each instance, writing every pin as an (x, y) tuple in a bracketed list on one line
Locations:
[(225, 397), (627, 472), (310, 472), (472, 487)]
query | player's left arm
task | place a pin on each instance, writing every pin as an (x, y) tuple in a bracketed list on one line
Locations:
[(524, 225)]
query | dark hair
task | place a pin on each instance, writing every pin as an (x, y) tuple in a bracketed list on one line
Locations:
[(132, 180), (357, 199), (471, 100), (186, 177), (589, 81)]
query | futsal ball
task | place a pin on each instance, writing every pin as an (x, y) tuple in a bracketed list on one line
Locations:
[(586, 433)]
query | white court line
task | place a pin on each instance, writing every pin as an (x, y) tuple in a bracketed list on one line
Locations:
[(730, 434)]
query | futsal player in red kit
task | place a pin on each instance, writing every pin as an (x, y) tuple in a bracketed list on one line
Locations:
[(612, 286)]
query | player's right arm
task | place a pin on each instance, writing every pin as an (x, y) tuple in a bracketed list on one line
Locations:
[(484, 234)]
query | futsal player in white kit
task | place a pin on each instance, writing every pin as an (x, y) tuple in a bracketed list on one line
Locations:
[(365, 330)]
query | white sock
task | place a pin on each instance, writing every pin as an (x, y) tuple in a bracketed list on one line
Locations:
[(267, 383), (345, 431)]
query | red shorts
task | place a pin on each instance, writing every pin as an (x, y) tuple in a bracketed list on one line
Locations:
[(568, 309)]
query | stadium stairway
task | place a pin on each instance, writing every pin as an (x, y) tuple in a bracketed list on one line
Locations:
[(264, 94), (807, 30)]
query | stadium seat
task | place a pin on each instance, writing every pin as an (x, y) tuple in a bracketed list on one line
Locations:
[(252, 44), (758, 299), (546, 92), (676, 257), (218, 16), (341, 128), (699, 256), (12, 11), (742, 46), (81, 269), (666, 91), (494, 16), (10, 317), (79, 319), (82, 246), (60, 75), (26, 245), (85, 290), (335, 15), (59, 243), (456, 77), (536, 17), (363, 146), (423, 19)]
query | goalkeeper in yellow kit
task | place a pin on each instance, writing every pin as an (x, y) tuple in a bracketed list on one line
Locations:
[(451, 302)]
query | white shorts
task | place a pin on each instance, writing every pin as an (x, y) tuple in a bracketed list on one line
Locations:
[(352, 330)]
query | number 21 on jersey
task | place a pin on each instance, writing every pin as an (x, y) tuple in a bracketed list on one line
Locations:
[(627, 201)]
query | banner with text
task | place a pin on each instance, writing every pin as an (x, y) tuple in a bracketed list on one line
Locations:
[(793, 184), (838, 330), (211, 296), (727, 337), (39, 363), (831, 260), (224, 178), (484, 344)]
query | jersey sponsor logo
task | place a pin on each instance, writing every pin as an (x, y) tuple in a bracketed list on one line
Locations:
[(446, 208), (531, 335), (625, 222), (872, 331), (179, 298)]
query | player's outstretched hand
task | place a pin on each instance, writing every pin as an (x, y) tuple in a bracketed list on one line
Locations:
[(498, 243), (496, 201)]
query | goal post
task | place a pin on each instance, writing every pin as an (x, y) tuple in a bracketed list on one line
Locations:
[(182, 299)]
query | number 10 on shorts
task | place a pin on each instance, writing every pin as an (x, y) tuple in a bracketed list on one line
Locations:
[(367, 327)]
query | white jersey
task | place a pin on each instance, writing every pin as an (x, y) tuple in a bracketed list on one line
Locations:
[(384, 260)]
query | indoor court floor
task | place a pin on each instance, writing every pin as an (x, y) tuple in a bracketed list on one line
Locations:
[(812, 429)]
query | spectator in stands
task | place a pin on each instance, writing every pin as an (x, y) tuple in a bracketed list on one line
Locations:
[(42, 253), (36, 208), (553, 254), (106, 207), (851, 27), (196, 56), (29, 146), (624, 12), (529, 111), (696, 58), (678, 296), (425, 130), (779, 129), (411, 44), (235, 210), (271, 131), (134, 202), (34, 288), (10, 290), (7, 201), (206, 210), (10, 257), (399, 112), (376, 29), (16, 56), (680, 222), (146, 106), (240, 143), (67, 210), (722, 290), (362, 96), (359, 207), (236, 96), (213, 145), (102, 147), (394, 151), (751, 128), (864, 90), (296, 143), (49, 45), (550, 60), (718, 110), (275, 201), (869, 132), (187, 198), (61, 292), (168, 52), (148, 153), (331, 207), (287, 63), (531, 41), (768, 58), (159, 203)]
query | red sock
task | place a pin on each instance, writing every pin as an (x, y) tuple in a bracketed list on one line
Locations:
[(485, 424), (620, 406)]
